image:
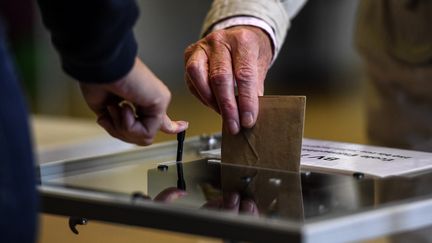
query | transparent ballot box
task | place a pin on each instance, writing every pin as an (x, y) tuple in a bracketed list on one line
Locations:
[(138, 188)]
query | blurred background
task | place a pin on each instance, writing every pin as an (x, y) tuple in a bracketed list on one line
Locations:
[(317, 60)]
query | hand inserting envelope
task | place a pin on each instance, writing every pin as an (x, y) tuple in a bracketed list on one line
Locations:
[(276, 139)]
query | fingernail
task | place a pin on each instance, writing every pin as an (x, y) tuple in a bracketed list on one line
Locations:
[(233, 127), (183, 124), (247, 119)]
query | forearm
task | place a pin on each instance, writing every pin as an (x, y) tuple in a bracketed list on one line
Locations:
[(94, 38)]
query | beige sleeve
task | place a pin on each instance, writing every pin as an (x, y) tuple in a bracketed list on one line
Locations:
[(276, 13)]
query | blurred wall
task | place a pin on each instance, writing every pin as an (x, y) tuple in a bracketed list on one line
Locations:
[(317, 57)]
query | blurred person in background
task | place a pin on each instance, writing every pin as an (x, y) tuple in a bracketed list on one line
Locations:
[(97, 47), (395, 41), (241, 39)]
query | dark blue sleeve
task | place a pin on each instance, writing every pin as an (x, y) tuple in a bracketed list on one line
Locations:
[(93, 37)]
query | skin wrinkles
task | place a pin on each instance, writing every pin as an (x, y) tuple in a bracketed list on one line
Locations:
[(241, 55)]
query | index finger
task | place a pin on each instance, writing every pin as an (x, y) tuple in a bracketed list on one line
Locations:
[(196, 68)]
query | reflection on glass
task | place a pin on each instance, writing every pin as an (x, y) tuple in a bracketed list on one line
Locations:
[(235, 189), (280, 194)]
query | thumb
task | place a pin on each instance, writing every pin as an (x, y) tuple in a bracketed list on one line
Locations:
[(173, 127)]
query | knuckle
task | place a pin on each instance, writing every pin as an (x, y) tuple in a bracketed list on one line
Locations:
[(220, 68), (216, 36), (192, 67), (245, 72), (220, 79), (227, 105), (189, 49), (165, 98), (160, 103)]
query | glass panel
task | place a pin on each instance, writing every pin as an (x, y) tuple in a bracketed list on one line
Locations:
[(211, 185)]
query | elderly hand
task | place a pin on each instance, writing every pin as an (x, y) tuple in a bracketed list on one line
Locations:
[(138, 123), (214, 65)]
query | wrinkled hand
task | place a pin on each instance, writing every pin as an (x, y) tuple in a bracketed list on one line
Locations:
[(240, 55), (150, 98)]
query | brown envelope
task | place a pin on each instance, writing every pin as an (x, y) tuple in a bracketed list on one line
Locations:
[(275, 141)]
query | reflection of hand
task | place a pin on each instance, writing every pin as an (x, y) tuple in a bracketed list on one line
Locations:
[(150, 98), (240, 54), (169, 195), (233, 203)]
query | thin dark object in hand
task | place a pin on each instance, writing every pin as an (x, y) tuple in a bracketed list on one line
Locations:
[(181, 184)]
